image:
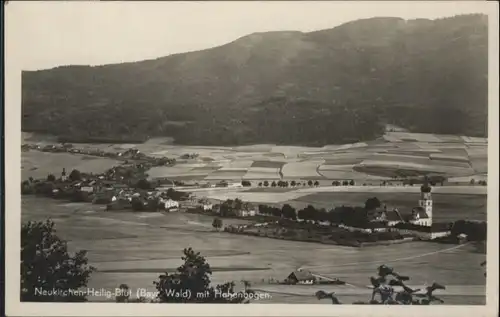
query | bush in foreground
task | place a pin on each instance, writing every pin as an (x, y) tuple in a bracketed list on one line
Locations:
[(46, 265), (191, 284)]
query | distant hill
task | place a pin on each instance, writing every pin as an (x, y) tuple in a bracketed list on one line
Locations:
[(332, 86)]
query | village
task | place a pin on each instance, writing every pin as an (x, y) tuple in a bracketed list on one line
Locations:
[(127, 187)]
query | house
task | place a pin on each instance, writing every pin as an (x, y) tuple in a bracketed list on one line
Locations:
[(436, 230), (104, 197), (169, 204), (119, 204), (206, 206), (234, 185), (165, 182), (87, 189), (420, 217), (247, 210), (393, 217), (245, 213), (353, 229), (462, 238), (302, 277), (222, 184)]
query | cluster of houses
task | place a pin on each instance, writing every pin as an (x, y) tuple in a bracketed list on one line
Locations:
[(112, 188), (419, 223), (142, 200)]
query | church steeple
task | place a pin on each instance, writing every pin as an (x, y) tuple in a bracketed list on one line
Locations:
[(425, 201)]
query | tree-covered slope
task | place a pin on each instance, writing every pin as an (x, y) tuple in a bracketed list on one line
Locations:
[(330, 86)]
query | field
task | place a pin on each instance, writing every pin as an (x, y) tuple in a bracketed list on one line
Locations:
[(396, 154), (450, 203), (134, 248), (447, 207), (39, 164)]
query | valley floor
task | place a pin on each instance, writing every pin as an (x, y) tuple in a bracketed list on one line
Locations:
[(134, 248)]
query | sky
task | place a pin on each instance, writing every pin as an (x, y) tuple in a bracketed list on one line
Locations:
[(47, 34)]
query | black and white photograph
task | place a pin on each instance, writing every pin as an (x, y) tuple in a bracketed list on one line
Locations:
[(301, 153)]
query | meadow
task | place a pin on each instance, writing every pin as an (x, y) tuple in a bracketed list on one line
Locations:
[(365, 162), (446, 207), (39, 164)]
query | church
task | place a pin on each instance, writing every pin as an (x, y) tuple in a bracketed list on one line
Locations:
[(419, 222)]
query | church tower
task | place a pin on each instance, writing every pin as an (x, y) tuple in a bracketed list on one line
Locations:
[(425, 201)]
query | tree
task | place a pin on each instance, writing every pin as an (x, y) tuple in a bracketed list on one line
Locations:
[(246, 284), (352, 182), (308, 213), (263, 209), (123, 294), (345, 183), (310, 183), (322, 215), (26, 188), (293, 183), (372, 203), (153, 204), (288, 212), (75, 175), (237, 204), (273, 184), (316, 183), (276, 212), (47, 265), (260, 184), (302, 214), (333, 216), (137, 204), (472, 181), (191, 283), (143, 184), (51, 178), (176, 195), (217, 223), (266, 183), (246, 183), (226, 209)]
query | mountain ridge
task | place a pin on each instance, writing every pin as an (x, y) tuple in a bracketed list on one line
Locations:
[(343, 84)]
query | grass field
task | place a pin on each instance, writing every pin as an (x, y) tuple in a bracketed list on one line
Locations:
[(446, 207), (413, 153), (131, 247), (39, 164)]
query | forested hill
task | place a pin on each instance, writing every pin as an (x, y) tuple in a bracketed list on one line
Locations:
[(331, 86)]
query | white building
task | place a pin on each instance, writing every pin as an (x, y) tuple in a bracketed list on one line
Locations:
[(87, 189), (422, 215), (170, 204), (207, 207)]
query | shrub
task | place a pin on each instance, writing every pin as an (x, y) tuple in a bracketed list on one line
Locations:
[(47, 265), (75, 175), (192, 278)]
